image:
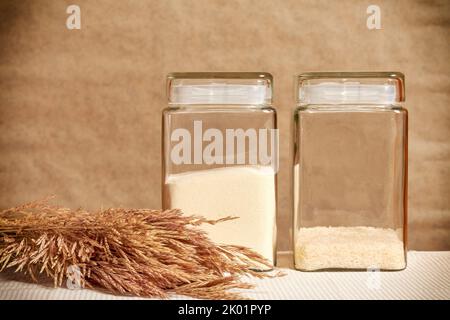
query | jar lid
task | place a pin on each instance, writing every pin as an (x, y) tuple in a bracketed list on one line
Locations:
[(220, 88), (330, 92), (384, 88)]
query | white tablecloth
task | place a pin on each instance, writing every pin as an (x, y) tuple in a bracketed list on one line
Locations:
[(426, 277)]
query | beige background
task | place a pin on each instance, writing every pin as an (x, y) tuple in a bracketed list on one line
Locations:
[(80, 110)]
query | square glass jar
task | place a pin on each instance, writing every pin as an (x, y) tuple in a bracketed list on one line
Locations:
[(350, 171), (220, 155)]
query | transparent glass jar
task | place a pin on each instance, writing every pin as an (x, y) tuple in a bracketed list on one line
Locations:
[(220, 155), (350, 172)]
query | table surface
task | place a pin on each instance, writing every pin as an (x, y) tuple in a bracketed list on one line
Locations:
[(426, 277)]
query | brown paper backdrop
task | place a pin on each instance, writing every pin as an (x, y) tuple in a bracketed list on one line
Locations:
[(80, 109)]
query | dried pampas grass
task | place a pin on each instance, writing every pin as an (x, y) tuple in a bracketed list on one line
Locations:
[(142, 252)]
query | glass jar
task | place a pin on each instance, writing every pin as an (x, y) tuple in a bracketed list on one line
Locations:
[(350, 171), (220, 155)]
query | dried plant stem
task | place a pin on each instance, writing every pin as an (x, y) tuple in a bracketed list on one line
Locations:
[(141, 252)]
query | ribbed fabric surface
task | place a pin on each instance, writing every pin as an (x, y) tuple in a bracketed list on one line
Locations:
[(426, 277)]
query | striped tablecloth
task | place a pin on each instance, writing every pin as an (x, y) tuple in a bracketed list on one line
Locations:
[(426, 277)]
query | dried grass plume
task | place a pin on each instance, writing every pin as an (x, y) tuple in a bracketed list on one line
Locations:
[(142, 252)]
